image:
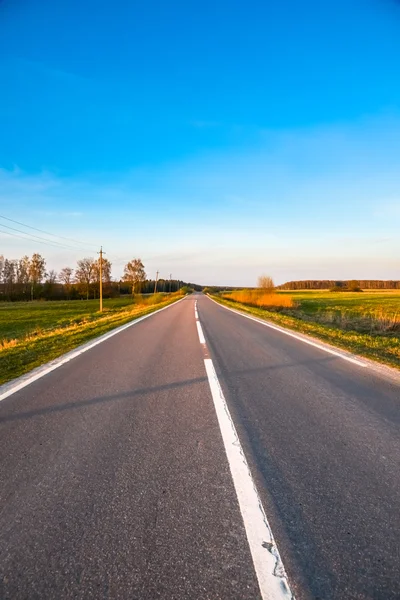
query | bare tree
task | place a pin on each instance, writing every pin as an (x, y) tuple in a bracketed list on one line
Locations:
[(37, 271), (105, 270), (22, 272), (85, 273), (134, 274), (265, 282), (9, 275), (65, 276), (51, 277), (49, 286)]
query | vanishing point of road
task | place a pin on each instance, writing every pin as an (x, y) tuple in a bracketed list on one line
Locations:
[(157, 463)]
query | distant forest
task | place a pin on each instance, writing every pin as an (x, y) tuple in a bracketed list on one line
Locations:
[(49, 290), (327, 284), (28, 279)]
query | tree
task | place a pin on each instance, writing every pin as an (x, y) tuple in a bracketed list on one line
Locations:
[(37, 268), (9, 275), (105, 270), (354, 286), (49, 286), (36, 271), (85, 273), (22, 273), (265, 282), (134, 274), (65, 276), (51, 277)]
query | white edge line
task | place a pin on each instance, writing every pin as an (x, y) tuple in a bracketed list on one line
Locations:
[(270, 572), (294, 335), (18, 384), (200, 332)]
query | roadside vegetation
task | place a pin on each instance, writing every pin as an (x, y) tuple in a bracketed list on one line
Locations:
[(33, 333), (367, 324), (261, 299)]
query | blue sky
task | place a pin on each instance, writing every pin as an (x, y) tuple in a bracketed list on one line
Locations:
[(216, 140)]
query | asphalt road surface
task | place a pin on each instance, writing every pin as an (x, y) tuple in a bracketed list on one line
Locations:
[(115, 482)]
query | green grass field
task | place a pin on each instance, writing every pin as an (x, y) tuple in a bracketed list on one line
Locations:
[(32, 333), (366, 323), (369, 312), (371, 299), (18, 319)]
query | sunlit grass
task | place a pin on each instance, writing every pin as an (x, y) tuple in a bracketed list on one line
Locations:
[(364, 323), (261, 298), (27, 318), (34, 333), (370, 312)]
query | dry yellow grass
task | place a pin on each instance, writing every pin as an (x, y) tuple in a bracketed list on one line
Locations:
[(81, 325), (261, 299)]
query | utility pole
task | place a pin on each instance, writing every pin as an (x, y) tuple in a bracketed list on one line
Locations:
[(101, 277), (170, 279), (155, 285)]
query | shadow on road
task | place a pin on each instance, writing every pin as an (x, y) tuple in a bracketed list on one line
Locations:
[(99, 400)]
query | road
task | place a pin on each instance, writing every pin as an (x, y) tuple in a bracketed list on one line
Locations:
[(116, 483)]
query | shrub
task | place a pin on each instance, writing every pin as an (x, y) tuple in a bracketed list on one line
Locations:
[(354, 286), (265, 282), (261, 299), (338, 288)]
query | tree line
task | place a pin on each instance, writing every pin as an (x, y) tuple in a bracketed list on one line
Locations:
[(27, 278), (327, 284)]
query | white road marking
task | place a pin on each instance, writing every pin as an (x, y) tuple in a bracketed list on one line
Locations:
[(297, 337), (200, 332), (196, 314), (268, 566), (270, 572), (8, 389)]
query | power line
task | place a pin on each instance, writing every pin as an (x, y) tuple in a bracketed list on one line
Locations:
[(29, 239), (46, 232), (32, 237), (24, 238), (38, 241)]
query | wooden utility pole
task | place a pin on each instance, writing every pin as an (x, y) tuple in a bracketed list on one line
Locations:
[(155, 285), (170, 279), (101, 278)]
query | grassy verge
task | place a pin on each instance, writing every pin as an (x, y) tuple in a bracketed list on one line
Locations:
[(24, 349), (381, 348)]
